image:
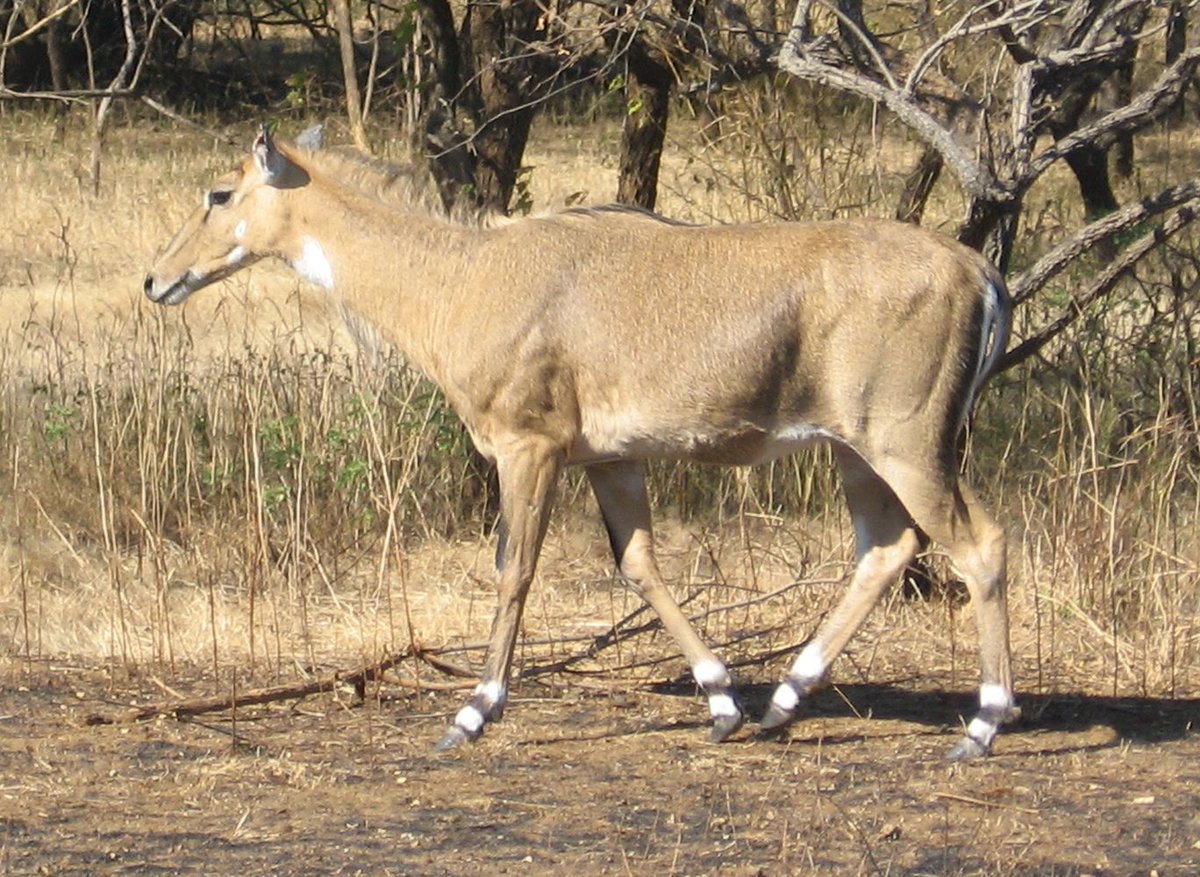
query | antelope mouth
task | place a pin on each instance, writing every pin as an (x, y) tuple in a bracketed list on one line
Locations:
[(174, 293)]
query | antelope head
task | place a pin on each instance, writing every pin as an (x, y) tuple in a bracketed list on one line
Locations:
[(241, 220)]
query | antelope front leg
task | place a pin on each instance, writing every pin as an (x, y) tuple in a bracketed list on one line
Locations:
[(620, 490), (528, 475)]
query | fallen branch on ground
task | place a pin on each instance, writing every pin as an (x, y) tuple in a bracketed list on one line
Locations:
[(624, 629), (182, 709)]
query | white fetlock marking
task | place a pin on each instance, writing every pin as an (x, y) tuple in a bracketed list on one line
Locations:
[(492, 693), (981, 731), (711, 674), (809, 664), (785, 697), (469, 719), (720, 705), (993, 696)]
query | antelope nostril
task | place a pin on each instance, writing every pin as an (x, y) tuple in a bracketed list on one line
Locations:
[(148, 286)]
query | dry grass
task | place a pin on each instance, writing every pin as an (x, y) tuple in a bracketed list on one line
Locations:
[(214, 484)]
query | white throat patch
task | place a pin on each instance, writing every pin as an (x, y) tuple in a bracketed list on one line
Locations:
[(313, 265)]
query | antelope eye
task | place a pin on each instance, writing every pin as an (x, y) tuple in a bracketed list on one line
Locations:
[(217, 198)]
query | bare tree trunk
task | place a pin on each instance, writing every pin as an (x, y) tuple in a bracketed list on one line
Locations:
[(505, 99), (450, 160), (990, 227), (647, 93), (1176, 43), (56, 55), (484, 92), (1090, 166), (345, 30), (1121, 88), (500, 146), (59, 80), (918, 185)]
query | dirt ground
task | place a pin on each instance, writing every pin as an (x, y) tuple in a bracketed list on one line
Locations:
[(584, 782)]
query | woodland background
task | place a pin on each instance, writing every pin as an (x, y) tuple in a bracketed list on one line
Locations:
[(229, 498), (230, 485)]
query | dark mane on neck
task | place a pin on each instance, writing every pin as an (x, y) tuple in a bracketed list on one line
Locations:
[(403, 187)]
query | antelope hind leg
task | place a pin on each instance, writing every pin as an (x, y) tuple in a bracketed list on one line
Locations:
[(953, 517), (884, 542)]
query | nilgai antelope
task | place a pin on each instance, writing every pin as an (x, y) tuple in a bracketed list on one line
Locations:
[(606, 337)]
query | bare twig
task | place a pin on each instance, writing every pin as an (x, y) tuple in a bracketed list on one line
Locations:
[(120, 82), (964, 28), (980, 802), (68, 95), (619, 632), (1032, 280), (1102, 284), (182, 709), (804, 59), (1150, 105), (181, 119), (37, 26)]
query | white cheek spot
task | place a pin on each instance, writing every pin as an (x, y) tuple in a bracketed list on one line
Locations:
[(239, 230), (313, 265)]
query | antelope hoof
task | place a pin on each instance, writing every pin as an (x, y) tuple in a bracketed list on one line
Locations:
[(775, 720), (453, 738), (723, 726), (968, 748), (786, 705)]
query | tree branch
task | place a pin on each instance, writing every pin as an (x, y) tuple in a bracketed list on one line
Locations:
[(963, 29), (181, 709), (120, 82), (34, 28), (801, 59), (1101, 284), (1150, 105), (344, 25), (1032, 280)]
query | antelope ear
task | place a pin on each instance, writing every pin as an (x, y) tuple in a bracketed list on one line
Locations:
[(277, 169), (312, 138), (269, 159)]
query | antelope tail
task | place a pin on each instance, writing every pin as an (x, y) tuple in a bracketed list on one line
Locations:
[(994, 325)]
